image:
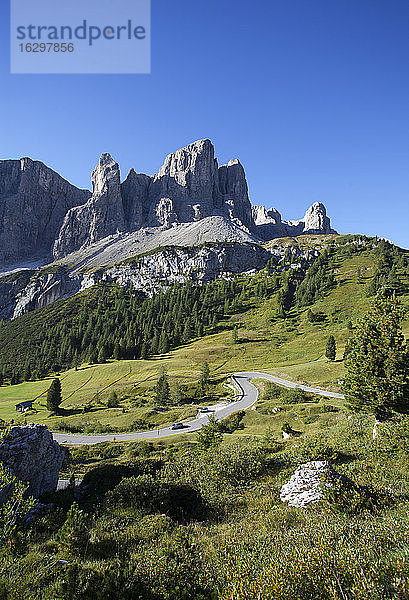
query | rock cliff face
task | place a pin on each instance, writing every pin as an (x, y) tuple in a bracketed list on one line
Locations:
[(189, 187), (134, 192), (178, 265), (314, 221), (41, 289), (233, 187), (27, 290), (44, 216), (268, 223), (32, 456), (33, 203), (186, 187)]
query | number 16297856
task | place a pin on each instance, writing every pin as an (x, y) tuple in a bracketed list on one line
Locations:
[(46, 47)]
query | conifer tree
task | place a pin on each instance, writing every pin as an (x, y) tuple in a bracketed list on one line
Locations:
[(101, 356), (54, 397), (155, 344), (27, 372), (74, 533), (144, 351), (209, 435), (163, 343), (203, 382), (113, 400), (93, 358), (162, 391), (281, 307), (117, 352), (377, 361), (178, 395)]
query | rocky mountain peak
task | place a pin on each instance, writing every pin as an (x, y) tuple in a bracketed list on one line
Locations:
[(233, 161), (106, 175), (102, 215), (316, 220), (234, 191), (197, 158)]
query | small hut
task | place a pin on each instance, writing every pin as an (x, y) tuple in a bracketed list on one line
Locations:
[(25, 406)]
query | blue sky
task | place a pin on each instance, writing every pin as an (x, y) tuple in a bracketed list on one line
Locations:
[(312, 97)]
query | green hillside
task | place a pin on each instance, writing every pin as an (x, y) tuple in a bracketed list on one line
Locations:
[(291, 343), (200, 517)]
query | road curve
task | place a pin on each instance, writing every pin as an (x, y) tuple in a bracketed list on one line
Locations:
[(247, 394)]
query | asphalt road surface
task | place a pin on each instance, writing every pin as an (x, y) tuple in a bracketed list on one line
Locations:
[(246, 396)]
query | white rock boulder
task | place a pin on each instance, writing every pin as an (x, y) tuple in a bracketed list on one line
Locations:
[(307, 484)]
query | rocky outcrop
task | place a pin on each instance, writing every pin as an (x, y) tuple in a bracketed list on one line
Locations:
[(10, 289), (31, 454), (178, 265), (186, 187), (315, 221), (233, 188), (134, 192), (33, 203), (308, 483), (28, 290), (269, 224)]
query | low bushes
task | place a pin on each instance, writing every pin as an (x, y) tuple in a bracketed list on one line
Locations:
[(232, 422), (287, 395), (100, 480), (181, 502)]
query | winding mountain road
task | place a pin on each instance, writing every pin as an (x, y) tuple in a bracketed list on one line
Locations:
[(247, 394)]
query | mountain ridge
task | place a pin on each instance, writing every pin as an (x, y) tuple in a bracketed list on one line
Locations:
[(43, 215)]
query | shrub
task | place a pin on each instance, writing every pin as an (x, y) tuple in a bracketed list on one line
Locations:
[(232, 422), (346, 497), (288, 395), (74, 534), (14, 505), (209, 435), (181, 502), (272, 391), (68, 427), (113, 400), (295, 396), (103, 478), (312, 448)]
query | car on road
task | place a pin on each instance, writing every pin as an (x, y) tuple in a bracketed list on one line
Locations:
[(178, 426), (205, 409)]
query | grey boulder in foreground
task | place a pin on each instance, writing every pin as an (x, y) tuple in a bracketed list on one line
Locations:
[(32, 456), (247, 394)]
